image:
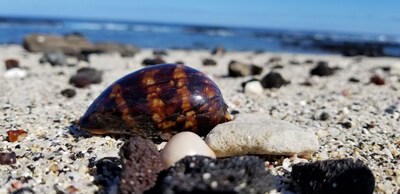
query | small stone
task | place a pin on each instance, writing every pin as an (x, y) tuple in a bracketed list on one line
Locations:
[(141, 163), (16, 135), (55, 58), (259, 134), (69, 93), (377, 80), (354, 80), (237, 69), (15, 73), (11, 63), (209, 62), (220, 50), (324, 116), (160, 52), (7, 158), (334, 176), (200, 174), (253, 88), (184, 144), (273, 80), (155, 61), (322, 69), (86, 76)]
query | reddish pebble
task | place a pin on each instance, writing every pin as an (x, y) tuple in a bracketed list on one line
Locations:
[(11, 63), (377, 80), (7, 158), (72, 189), (16, 184), (16, 135)]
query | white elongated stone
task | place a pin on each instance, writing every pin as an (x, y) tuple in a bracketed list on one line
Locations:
[(259, 134), (184, 144), (15, 73)]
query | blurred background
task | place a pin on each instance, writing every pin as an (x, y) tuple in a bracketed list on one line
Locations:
[(358, 27)]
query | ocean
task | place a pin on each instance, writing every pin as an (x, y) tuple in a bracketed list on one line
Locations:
[(178, 36)]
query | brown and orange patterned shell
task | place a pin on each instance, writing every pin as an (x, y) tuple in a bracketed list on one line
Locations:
[(157, 102)]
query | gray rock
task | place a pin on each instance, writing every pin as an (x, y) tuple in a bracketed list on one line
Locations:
[(259, 134), (55, 58), (110, 47)]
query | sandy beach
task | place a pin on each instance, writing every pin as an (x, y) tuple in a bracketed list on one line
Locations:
[(363, 117)]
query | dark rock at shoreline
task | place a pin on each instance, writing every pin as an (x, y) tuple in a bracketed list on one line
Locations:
[(74, 44), (160, 53), (70, 44), (109, 47), (11, 63), (154, 61), (322, 69), (209, 62), (218, 51), (238, 69), (344, 176), (273, 80), (200, 174), (55, 58), (141, 163), (86, 76)]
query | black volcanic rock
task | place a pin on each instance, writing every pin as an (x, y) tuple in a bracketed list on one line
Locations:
[(200, 174), (322, 69), (344, 176), (273, 80)]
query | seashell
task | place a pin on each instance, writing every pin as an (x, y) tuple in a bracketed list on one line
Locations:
[(157, 102), (184, 144)]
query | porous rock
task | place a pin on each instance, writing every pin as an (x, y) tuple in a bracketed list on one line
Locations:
[(200, 174), (141, 164), (344, 176), (258, 134)]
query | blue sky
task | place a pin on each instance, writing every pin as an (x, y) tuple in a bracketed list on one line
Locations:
[(371, 16)]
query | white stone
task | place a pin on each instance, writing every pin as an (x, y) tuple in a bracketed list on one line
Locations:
[(259, 134), (253, 88), (184, 144), (15, 73)]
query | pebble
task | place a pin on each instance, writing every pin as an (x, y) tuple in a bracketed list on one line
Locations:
[(238, 69), (11, 63), (15, 73), (69, 93), (141, 163), (200, 174), (273, 80), (377, 80), (334, 176), (258, 134), (7, 158), (55, 58), (209, 62), (184, 144), (253, 88), (322, 69), (86, 76), (154, 61)]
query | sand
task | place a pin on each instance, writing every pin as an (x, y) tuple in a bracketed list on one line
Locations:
[(54, 157)]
